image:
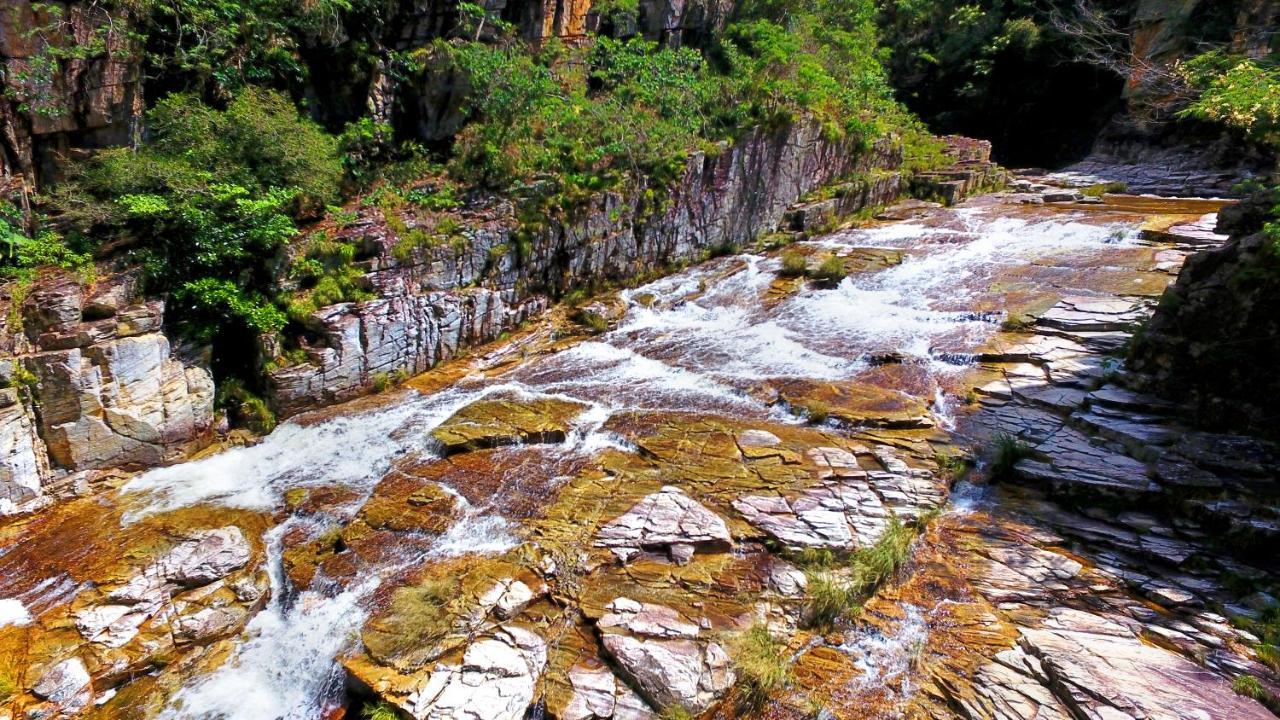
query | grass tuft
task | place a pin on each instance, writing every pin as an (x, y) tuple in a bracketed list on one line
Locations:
[(382, 710), (761, 663), (794, 264), (831, 271), (1009, 449)]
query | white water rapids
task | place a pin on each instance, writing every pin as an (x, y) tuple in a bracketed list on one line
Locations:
[(696, 341)]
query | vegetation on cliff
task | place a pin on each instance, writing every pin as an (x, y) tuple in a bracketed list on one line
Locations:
[(236, 158)]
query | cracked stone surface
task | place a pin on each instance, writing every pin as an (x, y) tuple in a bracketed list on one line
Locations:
[(670, 520)]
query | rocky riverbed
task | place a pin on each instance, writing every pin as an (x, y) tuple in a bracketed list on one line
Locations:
[(591, 518)]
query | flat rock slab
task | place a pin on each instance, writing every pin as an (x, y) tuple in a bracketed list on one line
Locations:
[(664, 655), (851, 508), (1090, 314), (669, 520), (497, 422), (857, 403), (1100, 669)]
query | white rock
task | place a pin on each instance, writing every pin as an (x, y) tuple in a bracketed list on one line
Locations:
[(496, 680), (66, 684)]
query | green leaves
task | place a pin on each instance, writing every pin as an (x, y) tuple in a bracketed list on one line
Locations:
[(1239, 92), (214, 300)]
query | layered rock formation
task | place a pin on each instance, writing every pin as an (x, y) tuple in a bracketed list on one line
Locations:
[(58, 96), (1215, 336), (91, 382), (445, 299)]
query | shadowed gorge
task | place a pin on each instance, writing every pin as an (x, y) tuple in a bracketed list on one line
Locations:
[(780, 359)]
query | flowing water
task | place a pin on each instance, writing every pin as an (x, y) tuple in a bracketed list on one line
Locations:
[(719, 338)]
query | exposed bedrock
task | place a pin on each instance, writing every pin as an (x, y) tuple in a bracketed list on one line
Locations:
[(91, 382)]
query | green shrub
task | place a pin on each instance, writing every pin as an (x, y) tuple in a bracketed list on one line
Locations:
[(794, 264), (951, 464), (1235, 91), (1100, 189), (830, 271), (381, 710), (8, 688), (245, 409), (761, 663), (24, 252), (1008, 450)]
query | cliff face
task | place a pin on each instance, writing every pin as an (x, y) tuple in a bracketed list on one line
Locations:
[(1216, 335), (445, 299), (71, 79), (91, 382)]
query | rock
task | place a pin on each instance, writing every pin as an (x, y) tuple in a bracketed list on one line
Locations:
[(506, 599), (599, 695), (1098, 668), (662, 653), (757, 439), (667, 519), (67, 684), (1056, 196), (122, 401), (496, 680), (850, 509), (201, 560), (493, 423), (24, 460)]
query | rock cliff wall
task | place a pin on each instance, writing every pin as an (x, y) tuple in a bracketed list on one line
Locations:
[(71, 78), (448, 298), (90, 382), (1215, 337)]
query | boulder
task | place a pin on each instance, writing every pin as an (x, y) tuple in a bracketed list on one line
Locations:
[(599, 695), (66, 684), (663, 654), (666, 520), (497, 422), (495, 680)]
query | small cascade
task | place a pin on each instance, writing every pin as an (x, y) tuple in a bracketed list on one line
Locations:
[(886, 660)]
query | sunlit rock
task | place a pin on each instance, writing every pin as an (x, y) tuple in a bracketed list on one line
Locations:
[(599, 695), (494, 423), (668, 519), (66, 684), (495, 680), (665, 656)]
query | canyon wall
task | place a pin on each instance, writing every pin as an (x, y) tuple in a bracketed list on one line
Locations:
[(90, 382), (447, 298)]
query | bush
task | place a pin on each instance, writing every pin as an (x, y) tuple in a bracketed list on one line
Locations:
[(830, 272), (794, 264), (1009, 449), (761, 663), (246, 409), (24, 252)]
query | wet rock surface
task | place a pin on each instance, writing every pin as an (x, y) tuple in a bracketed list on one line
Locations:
[(595, 526)]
